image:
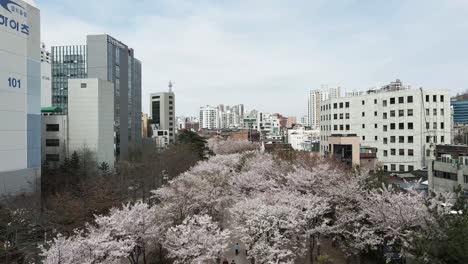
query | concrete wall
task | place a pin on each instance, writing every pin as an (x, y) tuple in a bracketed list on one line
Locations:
[(61, 135)]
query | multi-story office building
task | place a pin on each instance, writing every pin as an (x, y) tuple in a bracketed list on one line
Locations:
[(400, 123), (449, 168), (108, 59), (460, 112), (269, 126), (162, 111), (91, 114), (209, 117), (20, 97), (314, 103), (46, 72)]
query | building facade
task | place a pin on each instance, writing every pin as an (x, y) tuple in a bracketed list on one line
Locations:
[(108, 59), (54, 136), (46, 77), (162, 111), (302, 139), (20, 97), (449, 168), (91, 114), (460, 112), (209, 117), (400, 123)]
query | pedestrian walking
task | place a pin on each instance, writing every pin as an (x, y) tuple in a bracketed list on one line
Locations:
[(237, 248), (233, 262), (225, 261)]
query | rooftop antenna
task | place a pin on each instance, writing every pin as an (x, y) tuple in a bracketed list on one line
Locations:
[(170, 86)]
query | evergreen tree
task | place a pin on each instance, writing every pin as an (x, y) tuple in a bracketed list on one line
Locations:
[(104, 168), (75, 161), (198, 143)]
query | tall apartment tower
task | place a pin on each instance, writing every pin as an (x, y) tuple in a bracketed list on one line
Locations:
[(20, 97), (403, 124), (209, 117), (162, 111), (314, 103), (105, 58)]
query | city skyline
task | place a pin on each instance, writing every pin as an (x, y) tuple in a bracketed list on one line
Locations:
[(269, 55)]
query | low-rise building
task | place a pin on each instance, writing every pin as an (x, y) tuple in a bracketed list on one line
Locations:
[(302, 139), (449, 168), (54, 139)]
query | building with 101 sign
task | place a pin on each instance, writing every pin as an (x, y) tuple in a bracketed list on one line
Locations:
[(20, 97)]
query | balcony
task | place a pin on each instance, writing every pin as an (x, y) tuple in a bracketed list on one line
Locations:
[(368, 155)]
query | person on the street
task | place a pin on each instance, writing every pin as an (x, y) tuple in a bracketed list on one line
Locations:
[(237, 248), (233, 262), (225, 261)]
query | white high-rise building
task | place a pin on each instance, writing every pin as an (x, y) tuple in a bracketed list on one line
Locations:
[(20, 97), (162, 111), (401, 123), (46, 75), (209, 118), (91, 117), (315, 97)]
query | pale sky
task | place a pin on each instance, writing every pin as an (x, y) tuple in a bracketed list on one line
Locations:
[(267, 54)]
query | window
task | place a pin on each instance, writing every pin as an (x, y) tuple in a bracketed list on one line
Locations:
[(428, 139), (363, 114), (427, 112), (435, 111), (363, 138), (427, 125), (52, 127), (363, 125), (392, 139), (427, 98), (347, 127), (84, 85), (434, 125), (53, 157), (401, 126), (171, 108), (52, 142), (402, 167), (363, 102), (375, 126), (335, 116), (335, 106), (441, 98), (392, 113), (392, 126), (384, 115), (393, 167), (170, 102), (401, 152), (347, 115), (401, 112), (385, 153), (347, 104), (410, 125), (341, 105), (410, 112), (375, 113), (401, 100), (384, 102), (335, 127), (410, 168), (341, 116), (385, 128), (392, 100), (428, 152), (410, 152), (341, 127), (156, 97), (385, 140), (385, 168), (442, 125), (375, 101), (434, 98), (401, 139), (442, 112), (442, 139), (376, 138), (410, 139), (409, 99)]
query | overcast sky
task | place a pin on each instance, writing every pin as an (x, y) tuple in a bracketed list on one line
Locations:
[(268, 53)]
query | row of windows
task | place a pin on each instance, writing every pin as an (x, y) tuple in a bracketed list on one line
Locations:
[(401, 168), (434, 125), (401, 126), (392, 100), (401, 152), (401, 139), (393, 113)]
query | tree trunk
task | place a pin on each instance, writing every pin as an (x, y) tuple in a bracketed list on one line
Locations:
[(311, 248)]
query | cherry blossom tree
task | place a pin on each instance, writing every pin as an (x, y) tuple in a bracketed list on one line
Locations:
[(223, 147), (197, 239)]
